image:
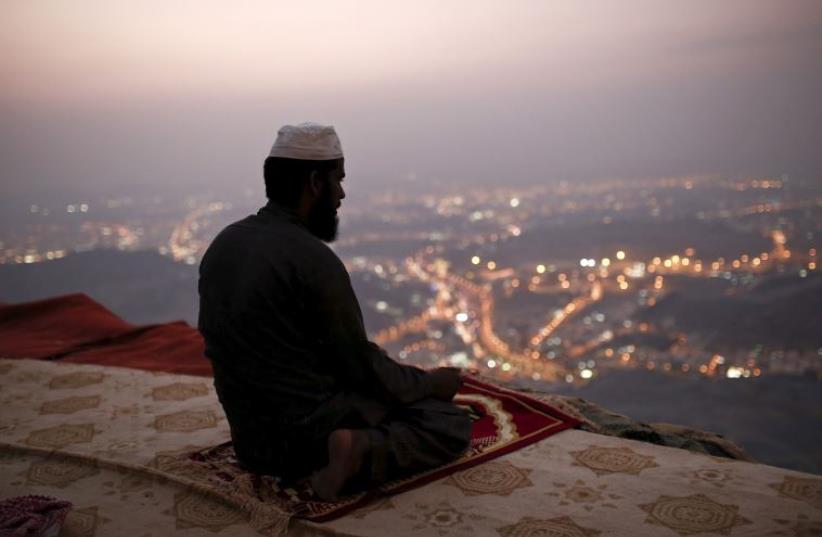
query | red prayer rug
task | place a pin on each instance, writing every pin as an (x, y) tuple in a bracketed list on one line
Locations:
[(48, 329), (503, 421), (171, 348), (75, 328)]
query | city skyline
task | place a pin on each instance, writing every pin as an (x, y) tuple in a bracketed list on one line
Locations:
[(538, 283)]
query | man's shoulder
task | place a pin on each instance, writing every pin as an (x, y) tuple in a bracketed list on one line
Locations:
[(325, 257)]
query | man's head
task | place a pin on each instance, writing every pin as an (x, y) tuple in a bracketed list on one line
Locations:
[(304, 172)]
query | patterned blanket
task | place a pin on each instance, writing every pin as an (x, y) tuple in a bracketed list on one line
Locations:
[(111, 441)]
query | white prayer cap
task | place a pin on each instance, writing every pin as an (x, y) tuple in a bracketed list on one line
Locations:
[(307, 141)]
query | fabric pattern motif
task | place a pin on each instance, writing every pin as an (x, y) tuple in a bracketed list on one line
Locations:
[(495, 477), (560, 527), (621, 460), (802, 489), (70, 405), (688, 515)]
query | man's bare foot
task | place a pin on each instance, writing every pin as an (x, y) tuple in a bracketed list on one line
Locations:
[(346, 451)]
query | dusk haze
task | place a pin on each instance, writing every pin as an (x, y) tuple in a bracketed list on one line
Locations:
[(102, 94)]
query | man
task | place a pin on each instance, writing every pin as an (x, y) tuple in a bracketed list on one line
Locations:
[(304, 391)]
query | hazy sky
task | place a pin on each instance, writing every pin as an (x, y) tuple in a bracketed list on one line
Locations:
[(104, 93)]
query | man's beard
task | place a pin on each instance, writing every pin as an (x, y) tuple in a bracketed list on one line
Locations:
[(322, 220)]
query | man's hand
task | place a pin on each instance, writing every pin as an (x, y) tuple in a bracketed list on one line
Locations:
[(445, 382)]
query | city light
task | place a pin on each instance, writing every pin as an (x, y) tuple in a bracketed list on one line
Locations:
[(509, 314)]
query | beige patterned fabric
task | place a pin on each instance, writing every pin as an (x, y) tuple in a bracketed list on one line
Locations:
[(110, 441)]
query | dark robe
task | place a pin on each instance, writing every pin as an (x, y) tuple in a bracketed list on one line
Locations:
[(292, 362)]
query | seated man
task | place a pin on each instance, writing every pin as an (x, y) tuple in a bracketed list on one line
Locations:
[(304, 391)]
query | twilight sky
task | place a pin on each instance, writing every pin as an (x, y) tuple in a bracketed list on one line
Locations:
[(106, 94)]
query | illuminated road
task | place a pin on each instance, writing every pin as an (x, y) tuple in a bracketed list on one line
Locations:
[(183, 245)]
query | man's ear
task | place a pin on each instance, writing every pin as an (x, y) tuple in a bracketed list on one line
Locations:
[(315, 184)]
